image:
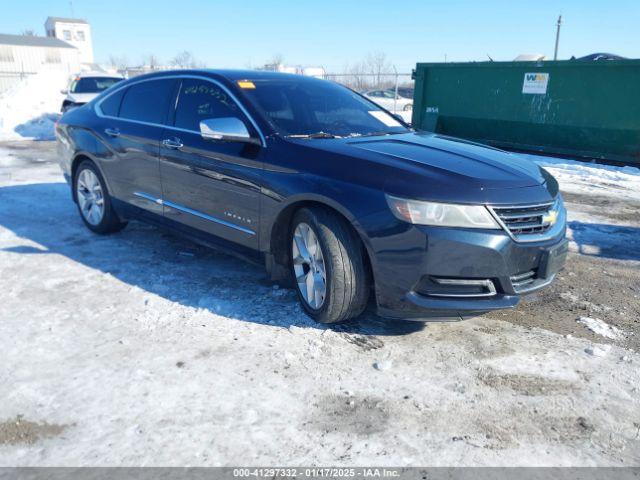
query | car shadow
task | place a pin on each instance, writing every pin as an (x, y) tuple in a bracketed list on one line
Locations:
[(46, 222), (618, 242)]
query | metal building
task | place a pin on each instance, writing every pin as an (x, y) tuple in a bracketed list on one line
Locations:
[(24, 55), (74, 31)]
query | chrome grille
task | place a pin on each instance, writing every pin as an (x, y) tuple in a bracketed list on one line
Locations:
[(525, 220)]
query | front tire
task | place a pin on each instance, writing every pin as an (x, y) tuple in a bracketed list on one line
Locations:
[(327, 264), (93, 200)]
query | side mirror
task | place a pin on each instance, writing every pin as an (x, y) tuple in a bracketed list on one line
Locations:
[(230, 129), (64, 91)]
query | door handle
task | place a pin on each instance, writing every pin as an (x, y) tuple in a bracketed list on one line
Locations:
[(112, 132), (173, 143)]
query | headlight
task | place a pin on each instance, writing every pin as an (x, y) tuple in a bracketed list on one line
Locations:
[(441, 214)]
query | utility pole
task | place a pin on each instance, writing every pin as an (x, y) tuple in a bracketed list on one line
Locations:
[(559, 24), (395, 96)]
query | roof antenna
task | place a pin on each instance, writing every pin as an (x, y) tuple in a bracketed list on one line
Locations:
[(71, 8)]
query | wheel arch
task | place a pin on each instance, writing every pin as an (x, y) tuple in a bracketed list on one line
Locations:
[(278, 258), (78, 158)]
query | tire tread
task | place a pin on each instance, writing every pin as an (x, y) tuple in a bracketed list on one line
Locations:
[(348, 289)]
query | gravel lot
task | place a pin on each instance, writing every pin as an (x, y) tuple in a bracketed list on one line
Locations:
[(143, 349)]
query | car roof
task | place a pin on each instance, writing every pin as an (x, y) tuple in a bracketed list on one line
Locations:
[(230, 75), (97, 74)]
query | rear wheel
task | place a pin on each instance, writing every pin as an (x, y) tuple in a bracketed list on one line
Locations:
[(94, 203), (328, 266), (408, 107)]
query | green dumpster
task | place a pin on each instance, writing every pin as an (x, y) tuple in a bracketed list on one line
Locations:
[(570, 107)]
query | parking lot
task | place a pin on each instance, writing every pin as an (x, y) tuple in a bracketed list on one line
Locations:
[(141, 348)]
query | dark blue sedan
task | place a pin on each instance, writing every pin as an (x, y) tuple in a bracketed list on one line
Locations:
[(330, 191)]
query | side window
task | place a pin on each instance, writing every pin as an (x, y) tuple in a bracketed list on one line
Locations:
[(147, 101), (199, 100), (111, 106)]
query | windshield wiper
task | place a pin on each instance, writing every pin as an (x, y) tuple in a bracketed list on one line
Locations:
[(315, 135), (375, 134)]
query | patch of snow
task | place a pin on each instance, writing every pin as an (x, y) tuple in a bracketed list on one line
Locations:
[(29, 109), (599, 351), (591, 178), (599, 327), (602, 239), (383, 365)]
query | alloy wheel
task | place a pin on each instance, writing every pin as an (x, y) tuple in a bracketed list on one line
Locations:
[(90, 197), (309, 266)]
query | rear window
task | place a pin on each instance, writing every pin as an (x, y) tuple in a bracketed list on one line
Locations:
[(92, 84), (147, 101), (111, 105)]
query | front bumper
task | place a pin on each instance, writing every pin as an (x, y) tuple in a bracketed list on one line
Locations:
[(435, 273)]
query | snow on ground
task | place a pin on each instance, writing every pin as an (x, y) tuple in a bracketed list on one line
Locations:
[(144, 349), (592, 178), (30, 108), (601, 328)]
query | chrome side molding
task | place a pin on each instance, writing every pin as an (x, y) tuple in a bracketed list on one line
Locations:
[(193, 212)]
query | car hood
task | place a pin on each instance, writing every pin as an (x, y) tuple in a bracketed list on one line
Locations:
[(81, 97), (435, 167), (475, 164)]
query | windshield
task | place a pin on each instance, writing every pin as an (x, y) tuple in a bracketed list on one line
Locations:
[(303, 107), (92, 84)]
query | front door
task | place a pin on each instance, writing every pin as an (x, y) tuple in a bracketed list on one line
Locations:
[(210, 185)]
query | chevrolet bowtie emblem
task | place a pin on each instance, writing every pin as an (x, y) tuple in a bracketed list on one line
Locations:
[(550, 217)]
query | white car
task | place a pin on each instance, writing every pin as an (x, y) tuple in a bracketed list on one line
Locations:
[(385, 98), (86, 86)]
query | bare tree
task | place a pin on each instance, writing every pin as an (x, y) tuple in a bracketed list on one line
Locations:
[(353, 76), (151, 60), (276, 59), (118, 62), (357, 76), (378, 64), (184, 59)]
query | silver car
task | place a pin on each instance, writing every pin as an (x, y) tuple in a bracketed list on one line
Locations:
[(86, 86)]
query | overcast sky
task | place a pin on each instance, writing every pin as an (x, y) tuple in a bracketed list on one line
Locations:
[(333, 33)]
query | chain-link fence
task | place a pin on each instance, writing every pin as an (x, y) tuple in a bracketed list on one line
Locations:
[(14, 73), (392, 91), (11, 74)]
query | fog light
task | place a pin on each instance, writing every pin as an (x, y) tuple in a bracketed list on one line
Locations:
[(457, 287)]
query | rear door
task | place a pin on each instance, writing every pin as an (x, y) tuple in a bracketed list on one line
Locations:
[(133, 121), (210, 185)]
